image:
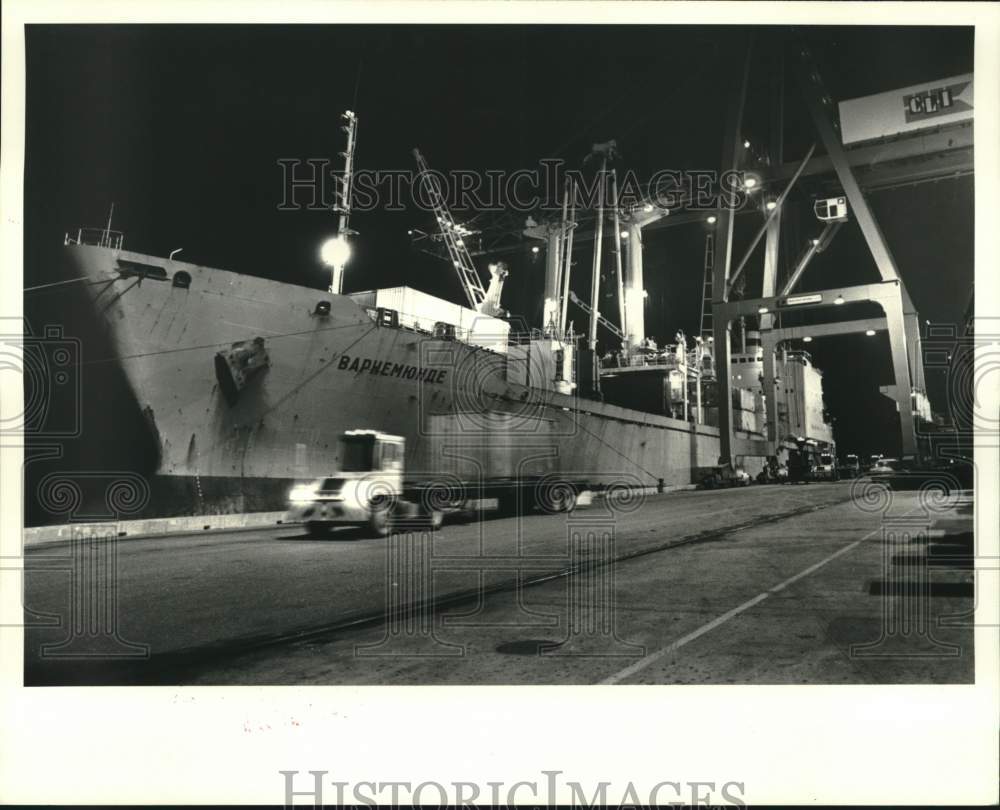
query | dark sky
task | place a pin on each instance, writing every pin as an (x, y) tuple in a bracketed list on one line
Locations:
[(182, 127)]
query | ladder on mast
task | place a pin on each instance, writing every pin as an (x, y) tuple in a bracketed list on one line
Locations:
[(451, 232), (343, 205), (706, 295)]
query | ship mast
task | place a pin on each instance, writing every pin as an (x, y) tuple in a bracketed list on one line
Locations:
[(337, 251), (106, 242)]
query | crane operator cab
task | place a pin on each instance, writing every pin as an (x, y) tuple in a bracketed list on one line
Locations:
[(366, 490)]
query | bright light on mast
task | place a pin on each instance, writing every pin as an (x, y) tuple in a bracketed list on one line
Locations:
[(335, 252)]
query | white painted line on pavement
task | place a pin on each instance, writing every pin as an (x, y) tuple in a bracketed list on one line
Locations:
[(642, 663)]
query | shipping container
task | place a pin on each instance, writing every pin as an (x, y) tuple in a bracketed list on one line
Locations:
[(421, 311)]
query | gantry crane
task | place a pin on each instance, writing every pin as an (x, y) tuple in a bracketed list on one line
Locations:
[(485, 301)]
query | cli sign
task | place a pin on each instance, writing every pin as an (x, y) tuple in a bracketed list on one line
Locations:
[(936, 101), (908, 109)]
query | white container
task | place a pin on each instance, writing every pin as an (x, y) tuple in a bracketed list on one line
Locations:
[(421, 311)]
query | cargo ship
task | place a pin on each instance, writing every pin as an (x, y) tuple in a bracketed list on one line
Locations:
[(237, 387)]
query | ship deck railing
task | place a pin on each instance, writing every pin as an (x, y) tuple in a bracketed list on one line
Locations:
[(665, 359), (530, 336), (100, 237), (799, 356)]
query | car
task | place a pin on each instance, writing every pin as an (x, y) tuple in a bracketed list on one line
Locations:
[(913, 473), (726, 476), (885, 467), (960, 469)]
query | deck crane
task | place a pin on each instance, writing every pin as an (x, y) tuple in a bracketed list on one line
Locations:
[(614, 330), (485, 301)]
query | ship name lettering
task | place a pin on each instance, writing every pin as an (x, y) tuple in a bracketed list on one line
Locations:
[(387, 368)]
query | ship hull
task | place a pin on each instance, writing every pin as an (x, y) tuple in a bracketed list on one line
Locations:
[(199, 450)]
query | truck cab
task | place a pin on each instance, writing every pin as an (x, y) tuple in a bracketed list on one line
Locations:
[(366, 490), (851, 466), (467, 459), (826, 468)]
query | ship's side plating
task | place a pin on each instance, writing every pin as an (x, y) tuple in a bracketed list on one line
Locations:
[(321, 365)]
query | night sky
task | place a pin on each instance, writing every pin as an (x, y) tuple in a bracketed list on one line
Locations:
[(182, 127)]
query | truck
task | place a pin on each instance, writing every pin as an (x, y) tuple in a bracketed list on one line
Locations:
[(826, 468), (457, 460), (850, 467), (803, 460)]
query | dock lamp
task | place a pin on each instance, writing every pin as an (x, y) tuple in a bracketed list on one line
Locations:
[(335, 253)]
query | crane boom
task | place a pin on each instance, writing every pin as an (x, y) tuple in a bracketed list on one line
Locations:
[(346, 195), (457, 251), (614, 330)]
